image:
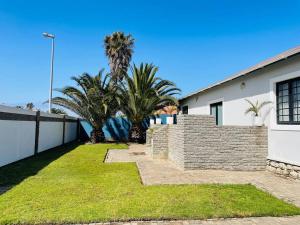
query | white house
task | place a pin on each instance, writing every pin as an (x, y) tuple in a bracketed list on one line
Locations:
[(277, 80)]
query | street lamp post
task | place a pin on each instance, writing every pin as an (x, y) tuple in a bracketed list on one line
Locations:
[(51, 36)]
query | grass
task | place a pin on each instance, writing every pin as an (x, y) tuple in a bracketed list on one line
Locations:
[(75, 186)]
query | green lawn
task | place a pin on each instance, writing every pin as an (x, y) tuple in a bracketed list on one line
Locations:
[(74, 185)]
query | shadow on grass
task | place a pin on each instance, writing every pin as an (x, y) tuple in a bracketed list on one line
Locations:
[(14, 173)]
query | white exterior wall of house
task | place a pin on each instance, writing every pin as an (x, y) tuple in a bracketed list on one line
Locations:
[(284, 140)]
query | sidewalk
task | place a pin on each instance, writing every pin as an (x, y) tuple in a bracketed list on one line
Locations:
[(295, 220)]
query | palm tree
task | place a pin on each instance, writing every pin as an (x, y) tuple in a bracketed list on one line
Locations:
[(119, 49), (92, 101), (256, 107), (142, 94)]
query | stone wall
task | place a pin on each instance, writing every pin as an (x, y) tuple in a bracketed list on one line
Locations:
[(195, 142), (157, 141), (207, 146), (284, 169), (176, 144)]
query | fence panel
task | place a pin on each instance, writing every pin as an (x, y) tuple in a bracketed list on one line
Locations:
[(24, 133), (70, 131)]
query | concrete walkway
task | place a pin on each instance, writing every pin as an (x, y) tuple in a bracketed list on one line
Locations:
[(134, 153), (236, 221), (155, 172)]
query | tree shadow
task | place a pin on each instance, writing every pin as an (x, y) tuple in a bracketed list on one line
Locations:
[(15, 173)]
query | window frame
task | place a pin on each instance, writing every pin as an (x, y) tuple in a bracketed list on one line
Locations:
[(216, 104), (291, 102)]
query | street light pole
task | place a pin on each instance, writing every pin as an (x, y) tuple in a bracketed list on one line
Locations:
[(51, 36)]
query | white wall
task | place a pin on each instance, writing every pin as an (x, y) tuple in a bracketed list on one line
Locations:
[(17, 138), (51, 135), (233, 98), (284, 145), (284, 140)]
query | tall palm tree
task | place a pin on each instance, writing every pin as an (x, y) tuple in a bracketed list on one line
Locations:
[(142, 94), (92, 100), (119, 49)]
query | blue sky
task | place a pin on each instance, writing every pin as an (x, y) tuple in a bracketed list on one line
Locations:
[(194, 43)]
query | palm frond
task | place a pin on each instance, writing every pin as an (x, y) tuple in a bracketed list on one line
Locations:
[(94, 99), (143, 93), (256, 107), (261, 105), (119, 49)]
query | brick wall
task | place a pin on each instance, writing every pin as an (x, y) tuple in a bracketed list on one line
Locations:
[(197, 143), (157, 141), (207, 146), (176, 144)]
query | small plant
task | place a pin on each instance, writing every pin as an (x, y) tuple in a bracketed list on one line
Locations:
[(256, 107)]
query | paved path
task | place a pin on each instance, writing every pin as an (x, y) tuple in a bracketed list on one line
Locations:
[(135, 153), (155, 172), (236, 221), (163, 172)]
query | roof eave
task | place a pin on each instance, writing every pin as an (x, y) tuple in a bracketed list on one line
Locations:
[(234, 77)]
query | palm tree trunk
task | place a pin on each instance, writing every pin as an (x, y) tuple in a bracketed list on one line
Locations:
[(97, 135), (137, 133)]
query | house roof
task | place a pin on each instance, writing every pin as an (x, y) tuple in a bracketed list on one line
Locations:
[(275, 59), (170, 110)]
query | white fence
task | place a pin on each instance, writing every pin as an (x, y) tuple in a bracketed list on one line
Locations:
[(24, 133)]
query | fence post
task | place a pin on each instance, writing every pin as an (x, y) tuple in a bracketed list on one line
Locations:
[(78, 128), (37, 132), (64, 129)]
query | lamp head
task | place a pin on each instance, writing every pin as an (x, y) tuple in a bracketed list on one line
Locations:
[(47, 35)]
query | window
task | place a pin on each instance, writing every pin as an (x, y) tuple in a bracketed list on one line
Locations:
[(288, 101), (185, 109), (216, 110)]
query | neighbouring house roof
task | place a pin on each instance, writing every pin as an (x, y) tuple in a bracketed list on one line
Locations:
[(268, 62), (170, 110)]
